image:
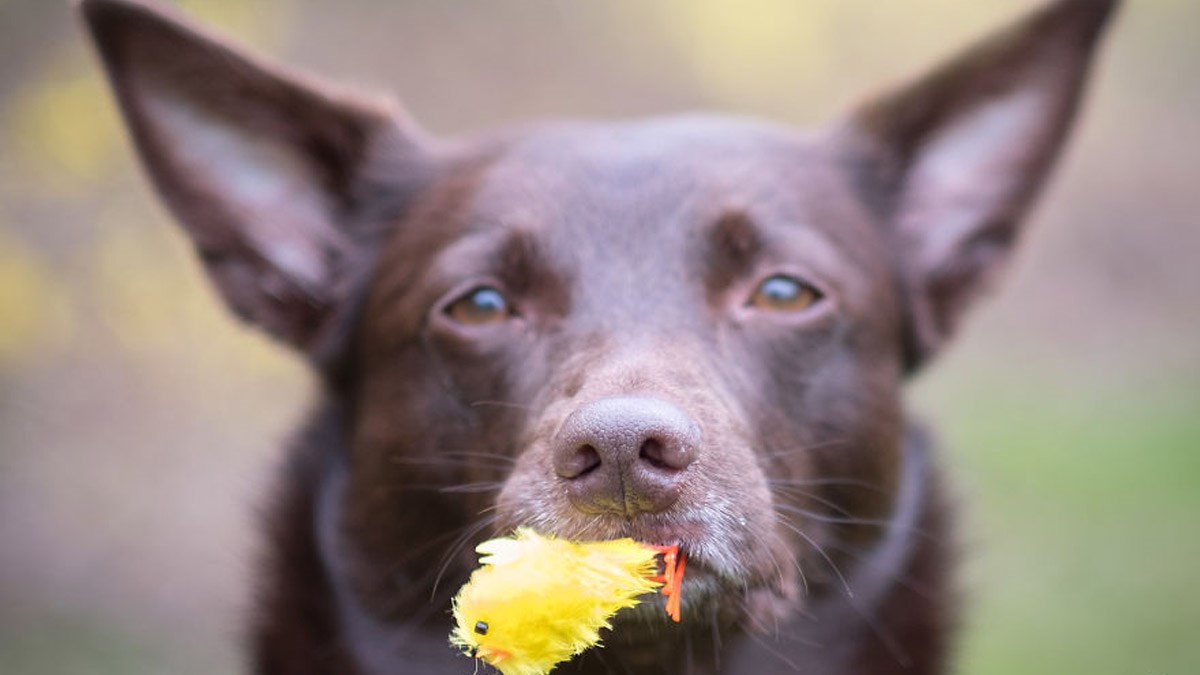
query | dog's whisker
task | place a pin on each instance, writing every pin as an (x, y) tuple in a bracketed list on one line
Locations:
[(464, 460), (808, 494), (715, 629), (803, 577), (760, 541), (474, 454), (421, 550), (472, 488), (783, 520), (793, 562), (852, 520), (780, 454), (492, 509), (478, 487), (904, 579), (445, 463), (836, 520), (762, 642), (885, 636), (825, 482), (455, 548), (501, 404)]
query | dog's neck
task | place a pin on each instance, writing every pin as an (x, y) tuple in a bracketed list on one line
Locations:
[(380, 647)]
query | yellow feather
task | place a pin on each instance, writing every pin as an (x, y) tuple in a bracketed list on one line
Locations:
[(538, 601)]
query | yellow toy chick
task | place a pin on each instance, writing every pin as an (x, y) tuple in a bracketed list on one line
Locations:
[(537, 601)]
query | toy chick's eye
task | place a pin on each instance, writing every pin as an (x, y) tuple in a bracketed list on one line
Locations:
[(480, 305), (784, 293), (481, 627)]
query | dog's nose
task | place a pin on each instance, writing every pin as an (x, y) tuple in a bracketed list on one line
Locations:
[(625, 455)]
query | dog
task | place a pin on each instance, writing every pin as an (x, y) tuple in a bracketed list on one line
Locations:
[(690, 330)]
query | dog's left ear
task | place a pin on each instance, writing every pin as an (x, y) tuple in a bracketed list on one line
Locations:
[(952, 162)]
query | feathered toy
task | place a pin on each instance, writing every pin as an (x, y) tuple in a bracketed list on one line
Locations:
[(537, 601)]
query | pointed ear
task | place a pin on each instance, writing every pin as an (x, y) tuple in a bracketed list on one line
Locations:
[(270, 173), (952, 162)]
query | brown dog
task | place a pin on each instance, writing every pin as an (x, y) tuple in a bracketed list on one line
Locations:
[(689, 330)]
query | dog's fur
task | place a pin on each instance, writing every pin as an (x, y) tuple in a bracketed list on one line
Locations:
[(768, 438)]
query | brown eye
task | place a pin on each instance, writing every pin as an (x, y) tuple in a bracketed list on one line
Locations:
[(479, 306), (783, 293)]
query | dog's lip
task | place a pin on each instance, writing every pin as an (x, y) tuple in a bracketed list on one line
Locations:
[(688, 535)]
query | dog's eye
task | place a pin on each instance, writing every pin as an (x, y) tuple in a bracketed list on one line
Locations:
[(480, 305), (783, 293)]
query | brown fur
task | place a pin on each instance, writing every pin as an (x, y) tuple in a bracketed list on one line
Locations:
[(633, 390)]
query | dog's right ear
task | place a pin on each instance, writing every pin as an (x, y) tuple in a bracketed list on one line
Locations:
[(269, 172)]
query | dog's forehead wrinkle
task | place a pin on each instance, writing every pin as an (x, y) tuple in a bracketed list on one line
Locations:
[(594, 194)]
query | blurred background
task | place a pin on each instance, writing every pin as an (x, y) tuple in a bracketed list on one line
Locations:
[(139, 424)]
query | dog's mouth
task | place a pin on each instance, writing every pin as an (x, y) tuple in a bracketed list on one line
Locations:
[(722, 579)]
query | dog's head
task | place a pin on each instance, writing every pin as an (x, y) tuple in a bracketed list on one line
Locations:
[(686, 329)]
